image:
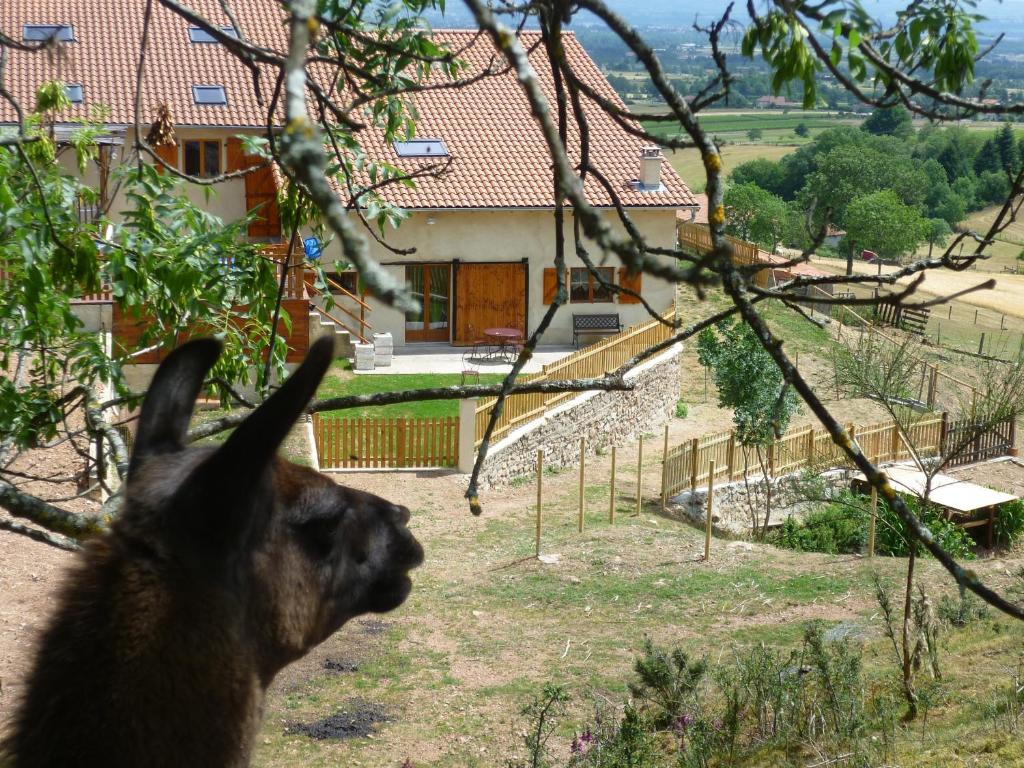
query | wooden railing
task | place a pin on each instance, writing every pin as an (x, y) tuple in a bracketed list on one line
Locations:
[(687, 465), (360, 320), (295, 286), (381, 442), (589, 362), (697, 237)]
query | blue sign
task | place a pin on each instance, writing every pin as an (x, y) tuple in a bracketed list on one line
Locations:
[(312, 247)]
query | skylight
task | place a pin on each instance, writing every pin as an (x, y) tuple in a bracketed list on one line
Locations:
[(209, 94), (421, 148), (200, 35), (74, 93), (63, 33)]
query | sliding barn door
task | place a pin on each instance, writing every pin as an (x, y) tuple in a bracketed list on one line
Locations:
[(489, 296)]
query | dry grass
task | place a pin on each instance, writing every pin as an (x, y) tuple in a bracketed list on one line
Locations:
[(688, 163)]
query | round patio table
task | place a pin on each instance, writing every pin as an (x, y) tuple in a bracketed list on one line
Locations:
[(506, 341)]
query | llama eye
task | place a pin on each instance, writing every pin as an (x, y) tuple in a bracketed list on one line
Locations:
[(317, 534)]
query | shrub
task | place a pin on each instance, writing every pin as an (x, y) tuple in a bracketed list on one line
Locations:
[(891, 537), (682, 410), (838, 528), (961, 610), (1010, 522)]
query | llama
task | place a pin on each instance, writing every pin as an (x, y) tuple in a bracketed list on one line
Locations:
[(226, 564)]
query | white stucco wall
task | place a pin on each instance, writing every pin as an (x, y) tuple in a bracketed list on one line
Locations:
[(226, 199), (510, 236)]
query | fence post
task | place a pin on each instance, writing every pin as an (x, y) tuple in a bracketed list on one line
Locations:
[(871, 523), (639, 475), (611, 500), (583, 474), (981, 344), (809, 461), (664, 469), (540, 493), (730, 462), (693, 465), (708, 508)]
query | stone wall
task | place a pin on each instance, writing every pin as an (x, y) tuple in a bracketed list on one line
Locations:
[(604, 418), (791, 495)]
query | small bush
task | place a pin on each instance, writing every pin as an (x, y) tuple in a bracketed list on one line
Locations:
[(961, 610), (891, 537), (835, 529), (682, 410), (1010, 522)]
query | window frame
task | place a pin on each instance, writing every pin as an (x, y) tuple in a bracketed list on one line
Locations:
[(593, 285), (200, 36), (62, 33), (76, 89), (203, 143), (206, 87)]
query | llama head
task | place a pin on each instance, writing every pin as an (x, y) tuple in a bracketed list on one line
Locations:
[(283, 551)]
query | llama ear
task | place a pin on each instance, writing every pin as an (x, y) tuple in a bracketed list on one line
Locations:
[(168, 404), (251, 447)]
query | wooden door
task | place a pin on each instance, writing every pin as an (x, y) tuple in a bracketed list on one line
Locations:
[(489, 296), (431, 284)]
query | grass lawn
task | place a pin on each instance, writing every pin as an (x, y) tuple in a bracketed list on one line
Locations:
[(341, 381)]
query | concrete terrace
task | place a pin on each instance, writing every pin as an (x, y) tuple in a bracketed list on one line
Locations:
[(445, 358)]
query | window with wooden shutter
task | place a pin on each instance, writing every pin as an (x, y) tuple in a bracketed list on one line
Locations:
[(236, 155), (630, 282), (169, 154)]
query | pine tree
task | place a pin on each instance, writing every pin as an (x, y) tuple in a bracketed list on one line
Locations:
[(1006, 144)]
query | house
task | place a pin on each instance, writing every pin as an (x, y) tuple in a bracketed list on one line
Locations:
[(482, 231)]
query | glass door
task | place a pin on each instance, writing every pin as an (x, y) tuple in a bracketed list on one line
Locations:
[(431, 284)]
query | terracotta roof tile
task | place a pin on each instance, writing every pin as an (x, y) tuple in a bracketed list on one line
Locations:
[(499, 159)]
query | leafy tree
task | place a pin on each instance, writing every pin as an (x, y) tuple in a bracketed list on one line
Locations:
[(751, 385), (801, 130), (755, 215), (880, 222), (755, 134), (891, 121), (992, 187), (769, 175), (936, 232)]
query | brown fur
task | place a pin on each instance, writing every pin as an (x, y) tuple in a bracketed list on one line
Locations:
[(224, 566)]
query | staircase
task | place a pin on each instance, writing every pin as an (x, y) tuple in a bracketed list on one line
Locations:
[(320, 325)]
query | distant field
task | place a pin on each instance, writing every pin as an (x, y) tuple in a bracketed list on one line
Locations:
[(776, 126), (688, 163)]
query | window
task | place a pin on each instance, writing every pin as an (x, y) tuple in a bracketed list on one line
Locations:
[(584, 287), (347, 280), (74, 93), (200, 35), (202, 158), (62, 33), (209, 94), (421, 148)]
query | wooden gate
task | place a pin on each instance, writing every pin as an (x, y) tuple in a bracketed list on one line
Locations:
[(908, 318), (969, 442), (488, 296), (378, 443)]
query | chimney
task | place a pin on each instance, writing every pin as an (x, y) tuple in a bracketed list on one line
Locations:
[(650, 168)]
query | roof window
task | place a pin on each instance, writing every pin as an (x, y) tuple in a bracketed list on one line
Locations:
[(74, 92), (209, 94), (421, 148), (200, 35), (63, 33)]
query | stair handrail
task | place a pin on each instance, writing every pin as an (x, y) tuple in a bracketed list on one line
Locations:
[(363, 325), (346, 292)]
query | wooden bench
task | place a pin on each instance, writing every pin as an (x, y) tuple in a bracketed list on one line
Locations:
[(607, 323)]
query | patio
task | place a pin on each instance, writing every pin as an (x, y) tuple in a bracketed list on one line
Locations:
[(444, 358)]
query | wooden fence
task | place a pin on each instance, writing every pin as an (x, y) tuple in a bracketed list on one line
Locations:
[(971, 442), (589, 362), (380, 442), (686, 465), (697, 237)]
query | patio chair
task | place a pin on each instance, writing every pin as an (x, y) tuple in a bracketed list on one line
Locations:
[(469, 368)]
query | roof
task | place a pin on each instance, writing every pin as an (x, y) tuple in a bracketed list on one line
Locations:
[(701, 216), (499, 158), (498, 155), (104, 58), (946, 491)]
